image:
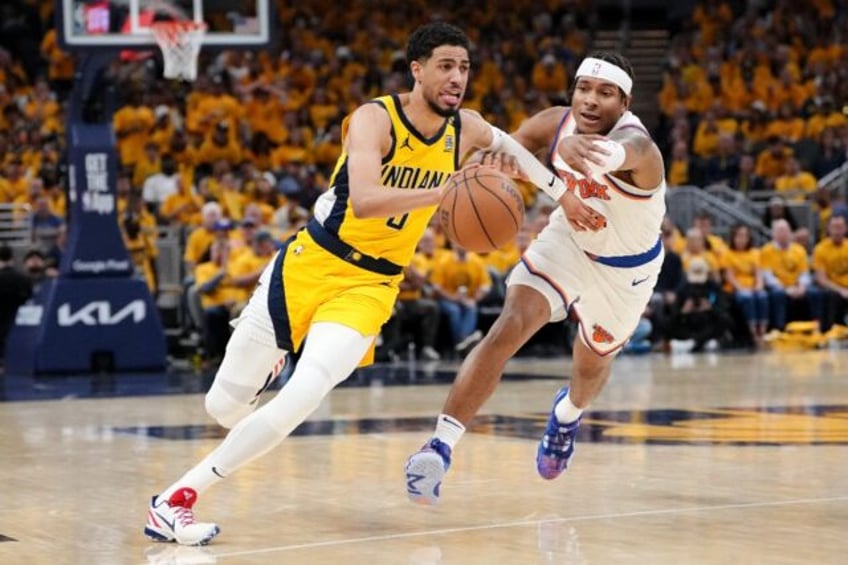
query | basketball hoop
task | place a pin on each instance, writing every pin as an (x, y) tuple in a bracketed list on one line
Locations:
[(180, 42)]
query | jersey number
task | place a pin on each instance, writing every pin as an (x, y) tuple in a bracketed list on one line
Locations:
[(397, 223)]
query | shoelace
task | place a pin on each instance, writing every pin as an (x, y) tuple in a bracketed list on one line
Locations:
[(559, 441), (185, 516)]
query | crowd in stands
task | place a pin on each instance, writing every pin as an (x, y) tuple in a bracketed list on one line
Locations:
[(235, 160), (757, 98)]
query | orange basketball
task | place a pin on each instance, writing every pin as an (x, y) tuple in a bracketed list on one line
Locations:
[(481, 209)]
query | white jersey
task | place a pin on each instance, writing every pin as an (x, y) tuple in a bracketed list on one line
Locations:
[(633, 215), (604, 278)]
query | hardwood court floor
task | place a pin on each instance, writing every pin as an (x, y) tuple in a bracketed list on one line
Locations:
[(707, 459)]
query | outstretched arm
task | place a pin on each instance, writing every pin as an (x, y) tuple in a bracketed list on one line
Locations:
[(642, 158), (533, 138)]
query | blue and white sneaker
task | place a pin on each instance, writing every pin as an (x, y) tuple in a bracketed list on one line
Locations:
[(173, 520), (425, 471), (557, 445)]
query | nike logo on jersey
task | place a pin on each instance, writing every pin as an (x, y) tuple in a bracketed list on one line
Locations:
[(551, 183), (637, 282)]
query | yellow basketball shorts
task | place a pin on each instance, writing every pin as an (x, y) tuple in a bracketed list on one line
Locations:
[(308, 284)]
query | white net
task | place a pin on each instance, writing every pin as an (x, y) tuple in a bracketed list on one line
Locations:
[(180, 42)]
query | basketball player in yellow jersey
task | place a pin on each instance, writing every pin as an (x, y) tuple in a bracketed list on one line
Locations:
[(337, 279)]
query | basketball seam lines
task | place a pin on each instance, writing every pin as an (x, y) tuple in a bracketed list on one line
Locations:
[(453, 210), (495, 194), (474, 207)]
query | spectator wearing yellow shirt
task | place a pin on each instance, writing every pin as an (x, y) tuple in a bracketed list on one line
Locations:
[(756, 125), (60, 67), (771, 161), (16, 183), (549, 77), (835, 117), (182, 207), (830, 263), (245, 269), (222, 145), (502, 260), (705, 143), (678, 167), (141, 248), (183, 152), (795, 183), (460, 280), (54, 192), (295, 150), (328, 148), (232, 198), (148, 164), (744, 280), (211, 108), (786, 272), (789, 91), (265, 113), (217, 297), (200, 239), (787, 125), (132, 124), (265, 197), (322, 110), (41, 106), (163, 128)]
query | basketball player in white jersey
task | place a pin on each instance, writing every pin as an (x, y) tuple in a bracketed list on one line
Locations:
[(601, 267)]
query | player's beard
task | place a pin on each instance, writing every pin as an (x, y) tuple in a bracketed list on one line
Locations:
[(443, 112)]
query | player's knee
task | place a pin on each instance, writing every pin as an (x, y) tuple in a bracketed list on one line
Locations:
[(225, 409), (320, 371)]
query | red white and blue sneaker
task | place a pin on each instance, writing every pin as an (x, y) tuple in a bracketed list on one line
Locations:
[(557, 445), (425, 470), (173, 520)]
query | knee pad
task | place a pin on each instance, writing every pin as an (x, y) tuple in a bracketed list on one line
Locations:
[(225, 409)]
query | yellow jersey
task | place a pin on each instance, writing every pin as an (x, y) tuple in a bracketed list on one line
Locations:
[(413, 162), (744, 265), (451, 274), (833, 260), (787, 265)]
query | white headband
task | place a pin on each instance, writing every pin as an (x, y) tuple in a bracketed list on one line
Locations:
[(596, 68)]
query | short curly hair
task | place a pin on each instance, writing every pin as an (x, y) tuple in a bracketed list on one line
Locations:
[(426, 38)]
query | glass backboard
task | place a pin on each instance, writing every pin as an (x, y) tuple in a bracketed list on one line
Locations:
[(124, 24)]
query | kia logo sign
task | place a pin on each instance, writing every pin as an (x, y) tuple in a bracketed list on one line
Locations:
[(99, 313)]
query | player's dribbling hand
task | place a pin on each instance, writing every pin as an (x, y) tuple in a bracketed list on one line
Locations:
[(505, 163), (581, 216), (580, 149)]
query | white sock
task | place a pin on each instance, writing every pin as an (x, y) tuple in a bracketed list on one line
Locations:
[(565, 410), (449, 430)]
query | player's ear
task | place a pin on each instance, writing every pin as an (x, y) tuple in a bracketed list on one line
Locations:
[(627, 101), (415, 67)]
